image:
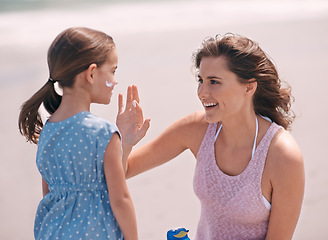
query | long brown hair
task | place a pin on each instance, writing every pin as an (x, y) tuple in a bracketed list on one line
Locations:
[(248, 61), (70, 53)]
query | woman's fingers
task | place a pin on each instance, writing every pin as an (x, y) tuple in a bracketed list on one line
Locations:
[(135, 93), (130, 118), (132, 95), (143, 130), (137, 115), (129, 99), (120, 103), (141, 125)]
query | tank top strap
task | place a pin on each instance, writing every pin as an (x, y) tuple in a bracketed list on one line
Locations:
[(208, 139), (262, 149), (268, 136)]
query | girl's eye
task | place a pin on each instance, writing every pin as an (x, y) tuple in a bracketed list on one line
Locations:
[(199, 80)]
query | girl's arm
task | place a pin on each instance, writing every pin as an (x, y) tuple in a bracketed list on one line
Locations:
[(119, 195), (45, 189), (287, 181), (186, 133)]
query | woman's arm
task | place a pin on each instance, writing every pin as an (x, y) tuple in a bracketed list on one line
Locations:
[(186, 133), (119, 196), (287, 181)]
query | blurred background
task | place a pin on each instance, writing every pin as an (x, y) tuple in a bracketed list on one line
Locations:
[(155, 42)]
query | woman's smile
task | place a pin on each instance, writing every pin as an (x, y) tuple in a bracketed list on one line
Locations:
[(210, 105)]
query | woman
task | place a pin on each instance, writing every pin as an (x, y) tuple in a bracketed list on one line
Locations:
[(249, 173)]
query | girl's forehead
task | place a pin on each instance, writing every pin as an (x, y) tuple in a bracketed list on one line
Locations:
[(112, 56)]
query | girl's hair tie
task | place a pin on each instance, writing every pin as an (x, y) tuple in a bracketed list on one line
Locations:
[(51, 80)]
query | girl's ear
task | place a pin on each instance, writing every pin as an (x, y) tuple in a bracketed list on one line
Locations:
[(251, 86), (90, 72)]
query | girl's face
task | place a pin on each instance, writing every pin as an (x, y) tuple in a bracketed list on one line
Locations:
[(219, 90), (105, 79)]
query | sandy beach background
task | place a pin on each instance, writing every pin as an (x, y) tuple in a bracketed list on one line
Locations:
[(155, 41)]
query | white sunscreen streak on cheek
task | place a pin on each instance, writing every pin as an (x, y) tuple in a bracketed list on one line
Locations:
[(108, 84)]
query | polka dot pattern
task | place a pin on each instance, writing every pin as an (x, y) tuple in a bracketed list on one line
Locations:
[(70, 159)]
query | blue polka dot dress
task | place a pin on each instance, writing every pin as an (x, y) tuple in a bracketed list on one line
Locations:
[(70, 159)]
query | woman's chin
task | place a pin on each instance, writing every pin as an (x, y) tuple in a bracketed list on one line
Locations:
[(211, 119)]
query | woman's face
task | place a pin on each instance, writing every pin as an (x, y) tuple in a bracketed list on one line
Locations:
[(219, 90)]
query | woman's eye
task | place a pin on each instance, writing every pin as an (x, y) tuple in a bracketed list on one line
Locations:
[(199, 80), (214, 82)]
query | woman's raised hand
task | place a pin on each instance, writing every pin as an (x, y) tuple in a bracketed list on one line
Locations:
[(130, 120)]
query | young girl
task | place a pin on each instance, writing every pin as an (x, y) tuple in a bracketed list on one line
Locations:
[(79, 154)]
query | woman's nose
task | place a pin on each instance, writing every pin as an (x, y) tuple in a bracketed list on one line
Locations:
[(202, 91)]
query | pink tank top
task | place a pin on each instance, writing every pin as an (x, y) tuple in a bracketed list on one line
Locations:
[(232, 207)]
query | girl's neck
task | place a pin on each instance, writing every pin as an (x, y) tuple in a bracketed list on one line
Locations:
[(72, 103)]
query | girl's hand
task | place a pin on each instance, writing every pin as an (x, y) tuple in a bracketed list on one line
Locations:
[(130, 120)]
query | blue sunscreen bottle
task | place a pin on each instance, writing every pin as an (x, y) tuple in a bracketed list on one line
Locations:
[(178, 233)]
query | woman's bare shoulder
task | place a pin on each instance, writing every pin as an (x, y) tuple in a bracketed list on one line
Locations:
[(195, 118), (284, 156), (194, 122), (193, 128), (285, 147)]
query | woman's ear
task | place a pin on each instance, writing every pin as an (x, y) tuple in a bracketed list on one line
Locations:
[(251, 86), (90, 72)]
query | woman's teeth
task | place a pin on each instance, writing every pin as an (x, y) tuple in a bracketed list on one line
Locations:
[(210, 104)]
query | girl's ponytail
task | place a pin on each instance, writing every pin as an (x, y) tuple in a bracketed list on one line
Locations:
[(30, 122), (53, 99)]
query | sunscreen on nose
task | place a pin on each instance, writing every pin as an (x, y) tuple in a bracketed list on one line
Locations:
[(109, 84)]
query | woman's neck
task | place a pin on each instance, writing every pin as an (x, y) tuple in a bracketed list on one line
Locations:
[(239, 132)]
